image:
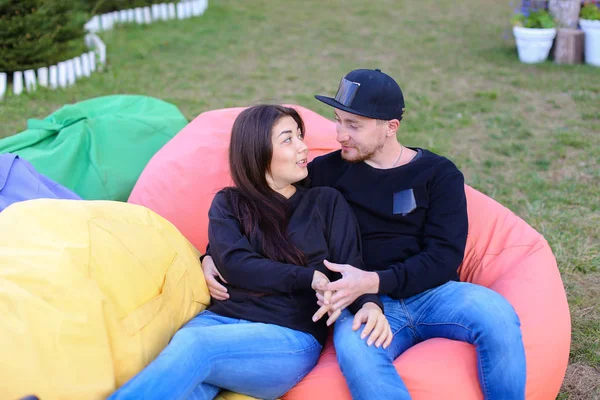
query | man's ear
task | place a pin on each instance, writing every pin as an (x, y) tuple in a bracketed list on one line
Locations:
[(392, 127)]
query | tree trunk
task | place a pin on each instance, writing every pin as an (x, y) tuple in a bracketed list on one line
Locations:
[(566, 12)]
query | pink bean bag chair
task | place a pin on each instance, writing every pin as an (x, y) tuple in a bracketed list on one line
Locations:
[(183, 177), (503, 253)]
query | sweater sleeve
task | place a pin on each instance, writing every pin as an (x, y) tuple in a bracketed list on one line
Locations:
[(345, 246), (241, 265), (444, 241)]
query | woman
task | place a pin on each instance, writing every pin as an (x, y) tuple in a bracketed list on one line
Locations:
[(268, 239)]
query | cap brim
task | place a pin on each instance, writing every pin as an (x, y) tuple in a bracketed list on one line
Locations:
[(335, 104)]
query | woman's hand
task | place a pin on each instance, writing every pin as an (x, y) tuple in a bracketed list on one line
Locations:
[(322, 301), (319, 282), (376, 324), (217, 291)]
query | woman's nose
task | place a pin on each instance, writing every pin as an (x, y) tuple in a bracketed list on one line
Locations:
[(302, 147)]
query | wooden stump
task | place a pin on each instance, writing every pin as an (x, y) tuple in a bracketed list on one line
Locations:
[(568, 47)]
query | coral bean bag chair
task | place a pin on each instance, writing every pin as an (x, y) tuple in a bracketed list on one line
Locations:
[(19, 181), (502, 252), (90, 293), (194, 165), (98, 147)]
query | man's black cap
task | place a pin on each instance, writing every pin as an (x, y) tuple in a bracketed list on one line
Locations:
[(370, 93)]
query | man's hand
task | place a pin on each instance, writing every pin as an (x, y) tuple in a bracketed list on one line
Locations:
[(217, 291), (376, 324), (354, 283)]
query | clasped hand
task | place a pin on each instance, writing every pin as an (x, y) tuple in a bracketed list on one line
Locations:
[(332, 298), (332, 302)]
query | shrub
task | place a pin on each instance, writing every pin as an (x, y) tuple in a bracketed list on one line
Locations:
[(539, 19), (37, 33), (534, 14), (590, 11), (103, 6)]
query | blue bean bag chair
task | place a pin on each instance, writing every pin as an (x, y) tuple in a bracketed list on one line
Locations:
[(19, 181)]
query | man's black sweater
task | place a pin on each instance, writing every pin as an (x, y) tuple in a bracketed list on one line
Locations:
[(412, 218), (322, 226)]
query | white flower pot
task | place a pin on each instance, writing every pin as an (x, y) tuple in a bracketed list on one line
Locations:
[(533, 45), (592, 41)]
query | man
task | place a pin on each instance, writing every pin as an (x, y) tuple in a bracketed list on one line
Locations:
[(411, 207)]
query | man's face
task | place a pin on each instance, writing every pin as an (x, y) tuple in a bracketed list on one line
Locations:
[(361, 138)]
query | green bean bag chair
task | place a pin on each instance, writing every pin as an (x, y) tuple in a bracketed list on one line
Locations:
[(98, 147)]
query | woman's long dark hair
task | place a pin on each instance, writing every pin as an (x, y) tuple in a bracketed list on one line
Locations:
[(263, 213)]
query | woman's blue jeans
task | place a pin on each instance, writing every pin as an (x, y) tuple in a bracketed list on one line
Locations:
[(212, 352)]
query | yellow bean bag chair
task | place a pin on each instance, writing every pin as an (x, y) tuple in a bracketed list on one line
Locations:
[(90, 293)]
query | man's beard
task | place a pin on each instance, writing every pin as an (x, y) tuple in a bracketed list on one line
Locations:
[(364, 153)]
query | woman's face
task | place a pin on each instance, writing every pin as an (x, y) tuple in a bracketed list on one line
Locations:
[(289, 161)]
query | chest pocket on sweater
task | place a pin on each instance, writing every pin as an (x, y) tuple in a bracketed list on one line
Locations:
[(406, 201)]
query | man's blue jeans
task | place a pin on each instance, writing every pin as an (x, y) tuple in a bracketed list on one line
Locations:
[(456, 310), (212, 352)]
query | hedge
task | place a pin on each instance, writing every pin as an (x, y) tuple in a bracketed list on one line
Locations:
[(37, 33), (96, 7)]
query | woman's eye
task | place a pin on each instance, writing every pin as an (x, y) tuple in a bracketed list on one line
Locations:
[(288, 140), (353, 127)]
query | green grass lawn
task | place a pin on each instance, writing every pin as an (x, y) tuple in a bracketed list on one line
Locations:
[(529, 136)]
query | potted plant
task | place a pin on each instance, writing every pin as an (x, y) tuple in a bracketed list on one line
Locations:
[(589, 20), (534, 29)]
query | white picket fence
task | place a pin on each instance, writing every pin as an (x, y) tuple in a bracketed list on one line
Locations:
[(61, 75), (147, 15), (66, 73)]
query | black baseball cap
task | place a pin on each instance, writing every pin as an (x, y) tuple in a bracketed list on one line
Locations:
[(370, 93)]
